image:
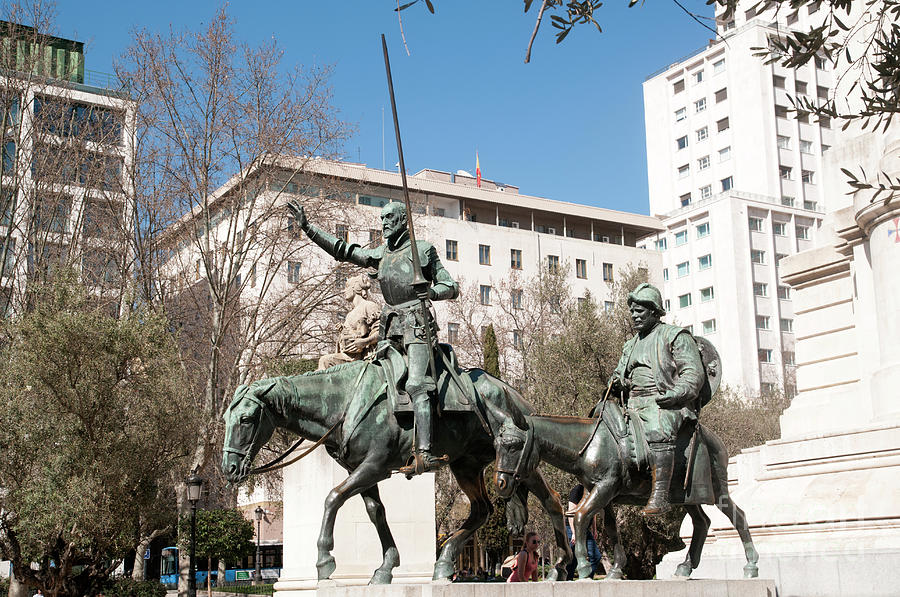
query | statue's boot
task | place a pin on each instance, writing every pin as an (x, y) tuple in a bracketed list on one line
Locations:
[(423, 460), (663, 465)]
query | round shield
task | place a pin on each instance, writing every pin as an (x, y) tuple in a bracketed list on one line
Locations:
[(711, 363)]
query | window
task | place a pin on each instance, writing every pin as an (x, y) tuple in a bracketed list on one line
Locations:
[(581, 269), (452, 254), (698, 77), (757, 256), (721, 95), (515, 258), (9, 265), (680, 114), (702, 133), (778, 81), (700, 105), (484, 254), (792, 18), (810, 205), (781, 111), (703, 230), (719, 66), (518, 343), (703, 163), (678, 86), (684, 170), (784, 293), (820, 62), (706, 192), (709, 326), (787, 325), (755, 224), (607, 272), (685, 199), (822, 92), (667, 305), (722, 125), (684, 300), (608, 306), (762, 322), (727, 183), (803, 117), (342, 232), (485, 295), (765, 355), (683, 268), (802, 232), (813, 7), (666, 274), (725, 154), (453, 333), (788, 357), (779, 228), (681, 237), (689, 328), (760, 289), (786, 172), (784, 142), (375, 237), (293, 273), (806, 146), (808, 176), (779, 257), (801, 87), (787, 200), (707, 294), (661, 244), (681, 142), (340, 279), (8, 200), (552, 263), (704, 262)]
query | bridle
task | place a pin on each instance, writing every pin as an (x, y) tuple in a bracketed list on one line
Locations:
[(524, 456), (263, 412)]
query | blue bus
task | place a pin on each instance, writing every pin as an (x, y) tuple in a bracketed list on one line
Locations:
[(270, 560)]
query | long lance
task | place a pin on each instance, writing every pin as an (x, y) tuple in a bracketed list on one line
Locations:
[(418, 279)]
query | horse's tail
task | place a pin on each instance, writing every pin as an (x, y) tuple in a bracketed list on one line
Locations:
[(718, 460), (517, 511)]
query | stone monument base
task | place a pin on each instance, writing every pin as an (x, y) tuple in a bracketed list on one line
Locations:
[(756, 587)]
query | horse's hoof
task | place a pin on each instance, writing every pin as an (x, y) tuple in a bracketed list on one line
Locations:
[(682, 571), (585, 573), (615, 574), (381, 577), (325, 568), (553, 575), (751, 571), (442, 570)]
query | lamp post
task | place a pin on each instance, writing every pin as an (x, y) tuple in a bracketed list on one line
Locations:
[(194, 485), (259, 513)]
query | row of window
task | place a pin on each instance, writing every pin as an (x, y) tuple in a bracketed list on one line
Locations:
[(779, 228), (515, 260), (698, 76), (762, 323), (681, 237), (765, 356), (703, 162), (787, 173), (802, 117), (800, 87), (700, 104)]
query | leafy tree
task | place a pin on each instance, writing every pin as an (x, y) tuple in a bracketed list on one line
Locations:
[(491, 352), (222, 534), (744, 421), (93, 429)]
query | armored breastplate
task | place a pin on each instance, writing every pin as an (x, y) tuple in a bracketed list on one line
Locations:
[(395, 276)]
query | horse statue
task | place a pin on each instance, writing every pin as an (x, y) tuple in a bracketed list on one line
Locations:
[(346, 408), (600, 453)]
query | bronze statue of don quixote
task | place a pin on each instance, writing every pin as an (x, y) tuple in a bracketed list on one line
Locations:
[(641, 445)]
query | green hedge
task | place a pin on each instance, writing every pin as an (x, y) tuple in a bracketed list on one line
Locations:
[(126, 587), (247, 589)]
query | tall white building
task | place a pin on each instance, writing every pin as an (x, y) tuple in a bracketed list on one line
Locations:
[(735, 177)]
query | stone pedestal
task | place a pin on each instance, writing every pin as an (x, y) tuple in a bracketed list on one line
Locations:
[(357, 550), (823, 501)]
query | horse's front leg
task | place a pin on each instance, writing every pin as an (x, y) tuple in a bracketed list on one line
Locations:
[(375, 508), (365, 476), (550, 501), (469, 475), (611, 529), (590, 505)]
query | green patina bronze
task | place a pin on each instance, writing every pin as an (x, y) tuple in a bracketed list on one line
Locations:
[(348, 405), (664, 377)]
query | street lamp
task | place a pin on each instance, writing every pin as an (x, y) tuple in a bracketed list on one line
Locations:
[(259, 513), (194, 485)]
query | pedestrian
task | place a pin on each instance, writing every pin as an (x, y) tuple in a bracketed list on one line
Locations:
[(593, 552), (38, 594), (526, 564)]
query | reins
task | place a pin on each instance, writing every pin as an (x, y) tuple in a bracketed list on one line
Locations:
[(274, 466)]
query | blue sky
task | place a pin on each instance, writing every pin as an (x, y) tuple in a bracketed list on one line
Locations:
[(567, 126)]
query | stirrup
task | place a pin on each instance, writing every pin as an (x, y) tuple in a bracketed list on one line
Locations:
[(660, 508), (422, 462)]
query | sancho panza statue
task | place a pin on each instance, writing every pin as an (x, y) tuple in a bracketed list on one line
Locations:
[(402, 321), (359, 332), (661, 375)]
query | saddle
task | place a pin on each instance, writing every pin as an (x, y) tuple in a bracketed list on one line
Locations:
[(634, 455), (455, 390)]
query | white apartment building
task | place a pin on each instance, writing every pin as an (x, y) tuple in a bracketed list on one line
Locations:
[(482, 234), (736, 177), (66, 152)]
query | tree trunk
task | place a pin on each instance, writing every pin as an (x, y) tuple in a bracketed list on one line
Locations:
[(140, 570), (220, 581), (208, 577), (16, 588)]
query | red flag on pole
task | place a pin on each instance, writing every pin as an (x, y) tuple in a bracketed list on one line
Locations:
[(477, 171)]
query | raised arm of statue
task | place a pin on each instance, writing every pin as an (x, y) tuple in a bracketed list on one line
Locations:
[(334, 246)]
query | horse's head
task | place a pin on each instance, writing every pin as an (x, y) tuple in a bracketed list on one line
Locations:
[(249, 423), (515, 456)]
